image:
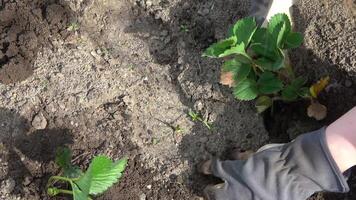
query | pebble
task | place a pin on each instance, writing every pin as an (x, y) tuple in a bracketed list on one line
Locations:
[(164, 33), (39, 122), (206, 11), (96, 55), (142, 197), (149, 3)]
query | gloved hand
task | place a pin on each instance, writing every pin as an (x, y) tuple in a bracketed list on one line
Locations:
[(263, 10), (292, 171)]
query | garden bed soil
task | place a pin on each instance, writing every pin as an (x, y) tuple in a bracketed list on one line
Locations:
[(124, 82)]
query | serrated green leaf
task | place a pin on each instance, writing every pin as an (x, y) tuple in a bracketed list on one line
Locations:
[(268, 83), (230, 65), (246, 90), (292, 91), (240, 70), (215, 50), (239, 51), (63, 160), (244, 30), (270, 65), (260, 36), (264, 50), (101, 174), (293, 40), (289, 93), (263, 103), (279, 27), (276, 20)]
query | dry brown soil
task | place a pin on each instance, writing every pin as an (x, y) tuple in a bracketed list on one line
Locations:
[(123, 82)]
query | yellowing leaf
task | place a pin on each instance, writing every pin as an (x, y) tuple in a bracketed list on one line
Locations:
[(317, 111), (319, 86), (227, 78)]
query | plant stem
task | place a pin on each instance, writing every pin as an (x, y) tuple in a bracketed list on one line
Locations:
[(65, 191), (60, 178)]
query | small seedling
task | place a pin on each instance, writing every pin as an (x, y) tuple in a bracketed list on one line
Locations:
[(178, 129), (256, 65), (184, 28), (196, 117), (101, 174), (74, 26), (155, 141)]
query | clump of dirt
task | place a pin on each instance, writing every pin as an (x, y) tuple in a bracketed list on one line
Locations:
[(26, 26)]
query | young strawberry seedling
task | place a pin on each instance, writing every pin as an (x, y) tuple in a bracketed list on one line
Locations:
[(74, 26), (256, 65), (196, 117), (101, 174)]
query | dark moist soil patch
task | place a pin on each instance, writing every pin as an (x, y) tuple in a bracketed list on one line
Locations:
[(25, 28)]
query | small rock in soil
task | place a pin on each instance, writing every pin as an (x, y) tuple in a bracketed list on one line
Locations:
[(142, 197), (39, 122), (164, 33)]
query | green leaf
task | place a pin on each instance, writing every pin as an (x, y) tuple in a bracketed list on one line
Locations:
[(304, 92), (63, 157), (246, 90), (78, 194), (292, 91), (289, 93), (63, 160), (279, 27), (230, 32), (293, 40), (215, 50), (260, 36), (268, 83), (101, 174), (240, 70), (298, 82), (244, 30), (263, 103), (270, 65), (264, 50), (275, 20), (238, 50)]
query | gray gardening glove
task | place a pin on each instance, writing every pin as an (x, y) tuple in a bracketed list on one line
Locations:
[(264, 9), (292, 171)]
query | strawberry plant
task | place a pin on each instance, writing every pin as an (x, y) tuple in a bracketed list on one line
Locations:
[(255, 61), (101, 174)]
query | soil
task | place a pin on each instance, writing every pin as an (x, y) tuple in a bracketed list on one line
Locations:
[(123, 83)]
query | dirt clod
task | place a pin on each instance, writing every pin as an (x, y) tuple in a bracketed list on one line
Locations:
[(39, 122)]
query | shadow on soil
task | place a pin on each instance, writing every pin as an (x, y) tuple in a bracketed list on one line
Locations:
[(27, 27), (192, 27), (340, 95), (28, 152)]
